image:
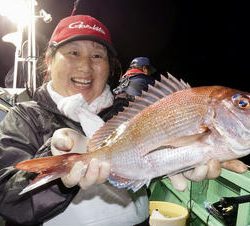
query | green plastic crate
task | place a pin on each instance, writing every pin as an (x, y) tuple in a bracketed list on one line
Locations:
[(229, 184), (1, 222)]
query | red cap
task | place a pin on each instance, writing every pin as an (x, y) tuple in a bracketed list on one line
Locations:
[(81, 27)]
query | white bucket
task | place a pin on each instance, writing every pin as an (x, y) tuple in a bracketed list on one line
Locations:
[(167, 214)]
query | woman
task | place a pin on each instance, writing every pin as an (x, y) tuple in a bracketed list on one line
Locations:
[(80, 59)]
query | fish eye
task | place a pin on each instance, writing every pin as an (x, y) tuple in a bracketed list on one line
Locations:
[(243, 103), (241, 100)]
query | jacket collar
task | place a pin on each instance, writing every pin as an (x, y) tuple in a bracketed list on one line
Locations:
[(132, 72), (43, 99)]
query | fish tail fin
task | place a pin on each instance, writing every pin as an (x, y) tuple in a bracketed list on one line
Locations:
[(48, 164), (47, 168), (40, 180)]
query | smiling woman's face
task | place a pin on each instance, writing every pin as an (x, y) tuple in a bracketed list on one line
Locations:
[(80, 67)]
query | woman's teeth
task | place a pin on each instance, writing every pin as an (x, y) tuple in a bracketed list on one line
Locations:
[(79, 81)]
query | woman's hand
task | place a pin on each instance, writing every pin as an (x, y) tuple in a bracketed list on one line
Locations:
[(67, 140), (95, 172), (211, 170)]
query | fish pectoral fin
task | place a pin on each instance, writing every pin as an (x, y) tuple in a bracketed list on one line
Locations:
[(121, 182), (187, 140), (181, 141), (165, 147)]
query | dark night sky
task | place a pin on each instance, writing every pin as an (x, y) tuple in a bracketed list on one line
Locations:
[(203, 42)]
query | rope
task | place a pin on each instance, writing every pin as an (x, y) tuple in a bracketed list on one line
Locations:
[(76, 3)]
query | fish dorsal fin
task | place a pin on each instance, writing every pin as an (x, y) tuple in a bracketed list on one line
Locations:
[(166, 86), (169, 85)]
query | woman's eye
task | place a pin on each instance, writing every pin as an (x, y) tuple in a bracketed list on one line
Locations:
[(74, 53), (96, 56)]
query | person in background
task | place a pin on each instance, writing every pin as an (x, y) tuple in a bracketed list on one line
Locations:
[(77, 100), (136, 79)]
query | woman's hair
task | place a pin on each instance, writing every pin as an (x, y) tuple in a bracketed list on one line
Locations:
[(44, 76)]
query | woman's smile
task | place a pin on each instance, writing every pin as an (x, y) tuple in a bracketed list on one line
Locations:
[(81, 82), (80, 67)]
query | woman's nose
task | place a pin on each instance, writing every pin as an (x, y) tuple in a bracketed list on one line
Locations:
[(84, 64)]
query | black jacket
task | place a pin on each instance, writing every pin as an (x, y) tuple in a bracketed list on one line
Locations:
[(25, 133), (134, 85), (137, 83)]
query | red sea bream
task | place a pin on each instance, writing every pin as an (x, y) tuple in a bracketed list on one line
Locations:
[(169, 129)]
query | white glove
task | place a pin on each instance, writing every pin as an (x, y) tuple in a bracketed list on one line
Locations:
[(211, 170), (66, 140)]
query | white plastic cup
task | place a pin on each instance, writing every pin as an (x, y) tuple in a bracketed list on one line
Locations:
[(170, 214)]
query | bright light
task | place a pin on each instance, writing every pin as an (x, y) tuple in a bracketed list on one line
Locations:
[(18, 11), (14, 38)]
